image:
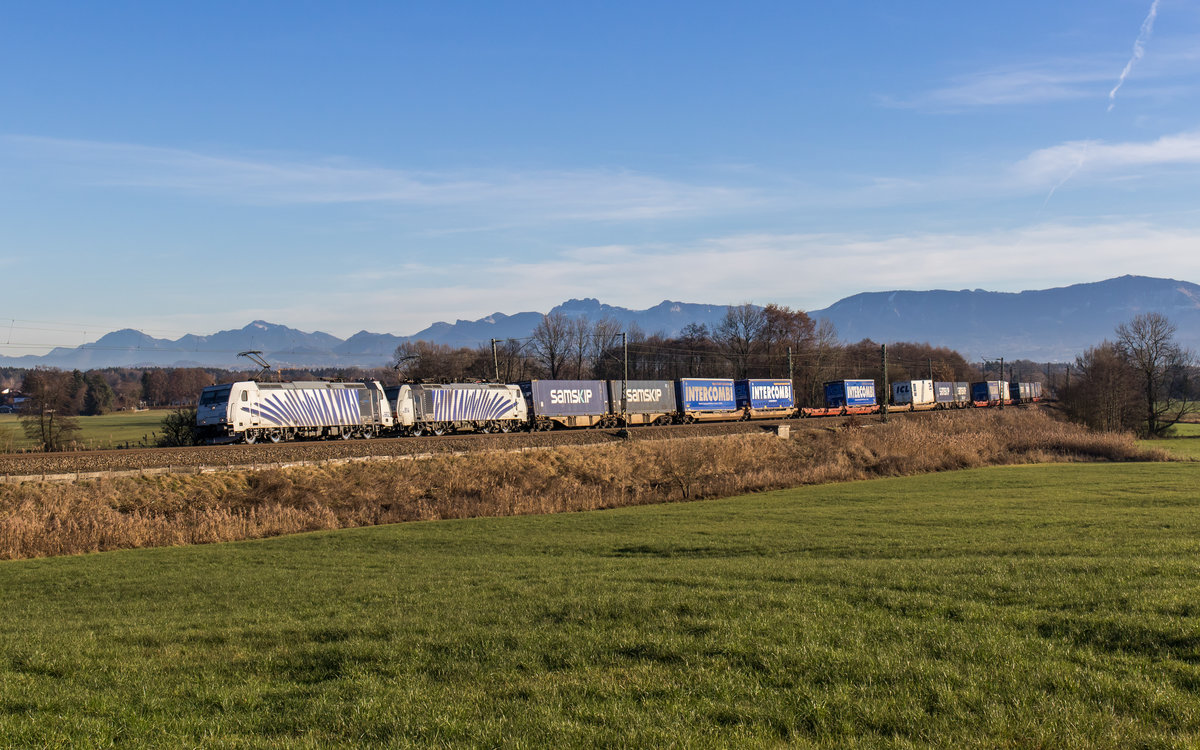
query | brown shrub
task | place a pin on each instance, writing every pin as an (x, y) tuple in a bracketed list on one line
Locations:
[(39, 519)]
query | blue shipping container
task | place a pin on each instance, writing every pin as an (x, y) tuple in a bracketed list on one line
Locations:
[(563, 398), (705, 394), (850, 393), (989, 390), (763, 394)]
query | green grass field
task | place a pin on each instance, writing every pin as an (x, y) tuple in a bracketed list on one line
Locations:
[(106, 431), (1033, 606), (1183, 441)]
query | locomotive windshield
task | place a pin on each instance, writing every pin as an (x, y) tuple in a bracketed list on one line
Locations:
[(211, 396)]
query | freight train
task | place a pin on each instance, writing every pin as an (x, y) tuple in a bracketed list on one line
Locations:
[(250, 411)]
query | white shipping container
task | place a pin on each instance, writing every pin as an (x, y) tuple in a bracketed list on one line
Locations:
[(916, 392)]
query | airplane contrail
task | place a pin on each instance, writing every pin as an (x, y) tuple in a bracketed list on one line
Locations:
[(1078, 166), (1139, 49)]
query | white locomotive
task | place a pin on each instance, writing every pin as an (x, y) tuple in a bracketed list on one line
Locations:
[(438, 408), (252, 411)]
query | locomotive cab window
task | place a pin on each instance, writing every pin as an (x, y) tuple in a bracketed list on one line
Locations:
[(215, 396)]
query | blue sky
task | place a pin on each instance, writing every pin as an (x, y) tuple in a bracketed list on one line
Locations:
[(189, 167)]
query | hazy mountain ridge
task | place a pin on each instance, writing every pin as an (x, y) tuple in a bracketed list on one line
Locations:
[(1043, 325), (289, 347)]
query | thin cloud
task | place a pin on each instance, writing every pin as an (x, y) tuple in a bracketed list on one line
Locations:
[(1169, 73), (802, 270), (1030, 84), (584, 194), (1055, 162)]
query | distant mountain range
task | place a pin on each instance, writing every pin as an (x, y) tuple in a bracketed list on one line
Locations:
[(1045, 325), (288, 347), (1048, 325)]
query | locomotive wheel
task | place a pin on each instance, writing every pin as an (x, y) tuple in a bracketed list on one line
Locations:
[(438, 429), (274, 436), (504, 427), (346, 434), (251, 437), (417, 430)]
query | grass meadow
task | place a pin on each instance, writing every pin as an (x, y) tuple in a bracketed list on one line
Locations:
[(114, 430), (1020, 606), (1182, 442)]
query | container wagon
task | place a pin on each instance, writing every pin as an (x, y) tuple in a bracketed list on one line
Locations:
[(1025, 393), (646, 401), (950, 395), (846, 397), (764, 398), (989, 392), (917, 395), (705, 399), (567, 403)]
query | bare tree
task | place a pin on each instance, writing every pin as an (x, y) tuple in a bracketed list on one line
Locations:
[(1148, 344), (47, 415), (738, 335), (783, 328), (512, 361), (605, 342), (818, 363), (1104, 396), (424, 360), (551, 343), (406, 360), (579, 333), (696, 351)]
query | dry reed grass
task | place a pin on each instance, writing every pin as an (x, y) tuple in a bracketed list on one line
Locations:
[(39, 519)]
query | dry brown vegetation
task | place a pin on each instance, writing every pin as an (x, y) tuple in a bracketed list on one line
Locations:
[(41, 519)]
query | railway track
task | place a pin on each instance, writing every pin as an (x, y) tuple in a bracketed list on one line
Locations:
[(224, 456)]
